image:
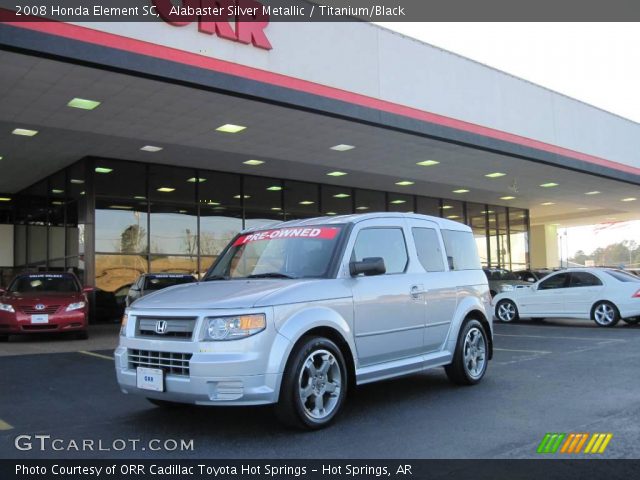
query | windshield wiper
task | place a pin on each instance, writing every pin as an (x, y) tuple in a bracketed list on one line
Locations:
[(270, 275)]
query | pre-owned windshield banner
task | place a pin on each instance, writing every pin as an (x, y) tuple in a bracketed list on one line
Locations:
[(323, 233)]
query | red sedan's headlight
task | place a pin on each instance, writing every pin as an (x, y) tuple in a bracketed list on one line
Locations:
[(5, 307)]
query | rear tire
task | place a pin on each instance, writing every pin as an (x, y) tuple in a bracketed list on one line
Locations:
[(314, 385), (605, 314), (631, 321), (507, 311), (471, 356)]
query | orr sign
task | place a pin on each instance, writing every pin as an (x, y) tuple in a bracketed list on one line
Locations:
[(215, 17)]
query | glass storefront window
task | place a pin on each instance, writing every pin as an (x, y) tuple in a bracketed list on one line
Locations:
[(121, 227), (397, 202), (336, 200), (114, 272), (428, 206), (453, 210), (519, 238), (368, 201), (477, 220), (301, 200), (263, 201), (174, 230)]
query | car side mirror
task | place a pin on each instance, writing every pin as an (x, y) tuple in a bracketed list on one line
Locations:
[(368, 266)]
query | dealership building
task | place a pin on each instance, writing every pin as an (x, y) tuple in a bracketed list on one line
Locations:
[(144, 147)]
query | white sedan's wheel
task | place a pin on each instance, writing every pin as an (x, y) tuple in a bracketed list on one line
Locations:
[(605, 314), (506, 311)]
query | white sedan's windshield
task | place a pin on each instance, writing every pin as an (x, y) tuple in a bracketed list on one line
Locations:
[(279, 253)]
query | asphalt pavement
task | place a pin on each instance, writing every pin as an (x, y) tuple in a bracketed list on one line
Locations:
[(560, 376)]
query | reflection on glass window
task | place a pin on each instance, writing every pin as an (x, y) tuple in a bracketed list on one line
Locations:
[(336, 200), (301, 200), (114, 272), (400, 203), (120, 228), (174, 230), (368, 201)]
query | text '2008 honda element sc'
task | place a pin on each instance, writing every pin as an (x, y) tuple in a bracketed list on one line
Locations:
[(297, 313)]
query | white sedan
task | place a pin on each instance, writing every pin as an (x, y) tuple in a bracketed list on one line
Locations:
[(604, 295)]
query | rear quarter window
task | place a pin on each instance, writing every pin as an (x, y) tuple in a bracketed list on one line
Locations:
[(462, 252)]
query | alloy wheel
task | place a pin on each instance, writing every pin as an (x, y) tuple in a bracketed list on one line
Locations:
[(475, 350), (319, 384)]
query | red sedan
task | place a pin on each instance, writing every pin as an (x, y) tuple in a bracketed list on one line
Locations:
[(43, 303)]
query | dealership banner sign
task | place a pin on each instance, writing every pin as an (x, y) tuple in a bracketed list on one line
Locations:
[(213, 12)]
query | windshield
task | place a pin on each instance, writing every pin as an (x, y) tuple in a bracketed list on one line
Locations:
[(279, 253), (45, 283), (158, 282)]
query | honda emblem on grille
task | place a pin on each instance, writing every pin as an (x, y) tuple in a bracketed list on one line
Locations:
[(40, 307), (161, 327)]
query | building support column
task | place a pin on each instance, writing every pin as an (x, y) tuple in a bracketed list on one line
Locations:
[(544, 246)]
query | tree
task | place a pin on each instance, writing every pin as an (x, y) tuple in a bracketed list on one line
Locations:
[(133, 239)]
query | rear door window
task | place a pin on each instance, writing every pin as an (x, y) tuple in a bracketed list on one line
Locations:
[(584, 279), (428, 249), (462, 252)]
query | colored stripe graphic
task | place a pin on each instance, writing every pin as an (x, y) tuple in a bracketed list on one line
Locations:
[(551, 442), (572, 443)]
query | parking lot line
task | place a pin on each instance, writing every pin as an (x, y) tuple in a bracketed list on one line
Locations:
[(4, 425), (98, 355), (524, 351), (561, 338)]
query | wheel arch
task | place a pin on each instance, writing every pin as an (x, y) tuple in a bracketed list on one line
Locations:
[(602, 300), (470, 307)]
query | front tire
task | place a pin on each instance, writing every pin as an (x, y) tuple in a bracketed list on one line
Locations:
[(314, 385), (507, 311), (605, 314), (471, 355)]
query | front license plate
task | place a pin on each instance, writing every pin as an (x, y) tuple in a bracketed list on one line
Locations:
[(150, 379), (39, 319)]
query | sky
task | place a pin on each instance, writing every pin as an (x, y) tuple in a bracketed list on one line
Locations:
[(597, 63)]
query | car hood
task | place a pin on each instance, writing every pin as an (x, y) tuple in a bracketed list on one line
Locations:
[(46, 298), (241, 294)]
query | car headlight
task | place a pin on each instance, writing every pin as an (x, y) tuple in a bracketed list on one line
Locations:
[(506, 288), (5, 307), (233, 328), (123, 324), (75, 306)]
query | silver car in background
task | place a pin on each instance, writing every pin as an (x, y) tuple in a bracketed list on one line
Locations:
[(297, 313)]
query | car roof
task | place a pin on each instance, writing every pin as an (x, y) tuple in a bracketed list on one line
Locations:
[(443, 223)]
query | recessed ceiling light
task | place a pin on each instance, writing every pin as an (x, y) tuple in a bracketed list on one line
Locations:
[(151, 148), (306, 202), (342, 147), (121, 207), (24, 132), (398, 202), (58, 202), (237, 197), (274, 188), (583, 208), (83, 193), (103, 170), (139, 197), (230, 128), (495, 175), (83, 104), (5, 199), (461, 190), (253, 163), (595, 192), (76, 181), (629, 199), (337, 174), (276, 209), (508, 197), (362, 207), (166, 189), (196, 179), (341, 195), (447, 207), (453, 217), (549, 185), (404, 183), (331, 213), (428, 163), (57, 190), (487, 211), (213, 204), (183, 211), (1, 157), (547, 203)]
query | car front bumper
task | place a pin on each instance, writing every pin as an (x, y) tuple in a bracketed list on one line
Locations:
[(19, 323)]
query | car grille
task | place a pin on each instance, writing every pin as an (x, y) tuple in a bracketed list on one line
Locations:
[(176, 328), (48, 310), (171, 362)]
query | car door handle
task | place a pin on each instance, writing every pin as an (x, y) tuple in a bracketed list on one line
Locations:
[(417, 290)]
